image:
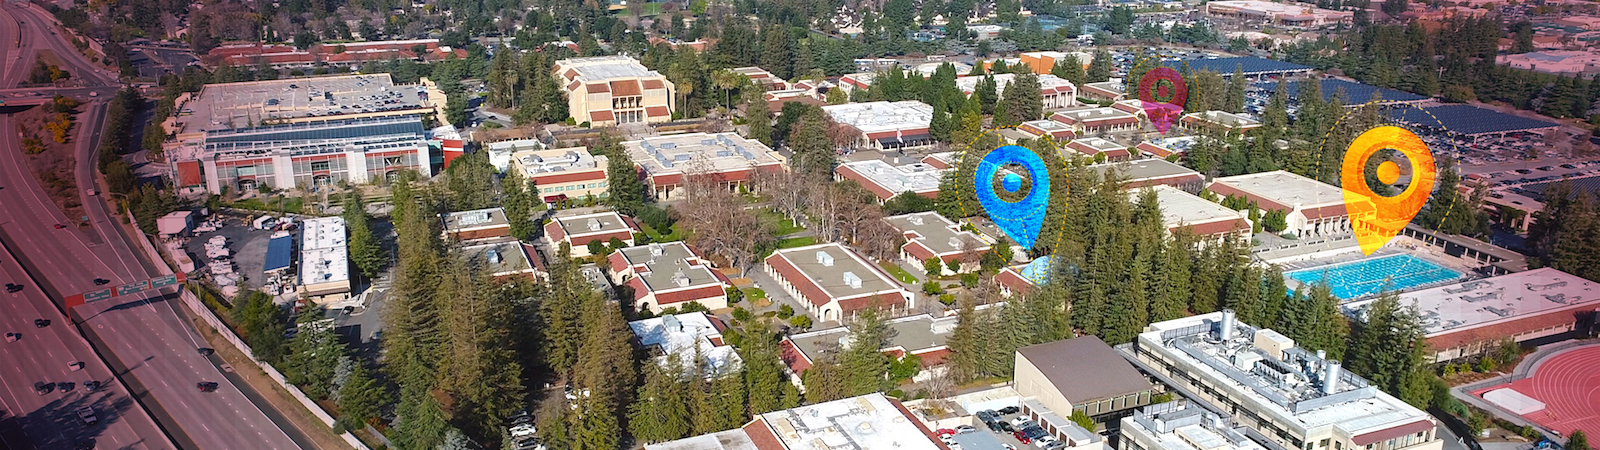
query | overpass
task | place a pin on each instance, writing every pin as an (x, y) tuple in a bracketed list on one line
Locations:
[(41, 95)]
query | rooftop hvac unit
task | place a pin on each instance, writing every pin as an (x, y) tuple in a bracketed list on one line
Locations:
[(656, 249), (724, 153), (671, 323), (669, 145), (681, 157), (955, 242), (594, 224), (915, 220), (851, 279), (492, 255), (708, 141), (680, 279), (824, 258)]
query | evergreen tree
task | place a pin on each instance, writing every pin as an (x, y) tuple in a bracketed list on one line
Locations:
[(471, 182), (520, 198), (1578, 441), (1069, 69), (863, 361), (1023, 100), (314, 353), (624, 189), (661, 412), (364, 249), (759, 119), (1389, 346), (359, 398), (1099, 67), (765, 382), (1234, 100), (986, 94)]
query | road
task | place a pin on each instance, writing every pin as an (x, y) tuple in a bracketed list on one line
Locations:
[(144, 334)]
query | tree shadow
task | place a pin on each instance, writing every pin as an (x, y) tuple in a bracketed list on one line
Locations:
[(57, 425)]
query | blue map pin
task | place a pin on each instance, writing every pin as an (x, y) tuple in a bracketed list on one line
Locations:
[(1020, 219)]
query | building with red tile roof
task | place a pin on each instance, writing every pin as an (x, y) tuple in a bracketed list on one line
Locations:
[(885, 181), (1207, 221), (1089, 120), (833, 282), (668, 275), (1055, 91), (578, 231), (930, 235), (1093, 147), (611, 90), (666, 162), (921, 335)]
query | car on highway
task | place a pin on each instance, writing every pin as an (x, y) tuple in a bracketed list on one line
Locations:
[(13, 288), (75, 366), (12, 337), (43, 388), (86, 415), (205, 351), (206, 386), (40, 323), (91, 385), (101, 281), (60, 226)]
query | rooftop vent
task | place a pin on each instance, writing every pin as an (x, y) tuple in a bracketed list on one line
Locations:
[(680, 279), (1225, 329), (594, 224), (492, 255), (955, 242), (671, 323), (851, 279), (1330, 378), (656, 249), (915, 220), (824, 258)]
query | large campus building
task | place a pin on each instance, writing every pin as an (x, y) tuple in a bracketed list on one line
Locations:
[(562, 173), (868, 422), (1294, 398), (1286, 14), (885, 125), (611, 90), (301, 132), (727, 158), (1204, 219), (1082, 374), (921, 335), (1055, 91), (1471, 318), (1315, 208), (1180, 425), (929, 235)]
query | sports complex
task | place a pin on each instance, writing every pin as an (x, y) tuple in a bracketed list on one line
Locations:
[(1559, 391)]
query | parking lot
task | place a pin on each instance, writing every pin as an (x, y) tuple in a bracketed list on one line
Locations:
[(248, 246), (1007, 425)]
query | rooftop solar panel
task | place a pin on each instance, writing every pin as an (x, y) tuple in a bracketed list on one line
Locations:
[(1467, 119), (1354, 93), (1249, 64), (279, 250)]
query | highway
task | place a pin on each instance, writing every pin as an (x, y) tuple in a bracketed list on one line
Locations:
[(145, 334)]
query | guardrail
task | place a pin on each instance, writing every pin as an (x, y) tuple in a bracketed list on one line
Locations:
[(197, 308)]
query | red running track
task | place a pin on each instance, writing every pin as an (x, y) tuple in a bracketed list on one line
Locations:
[(1569, 385)]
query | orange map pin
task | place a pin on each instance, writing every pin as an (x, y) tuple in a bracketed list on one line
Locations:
[(1375, 218)]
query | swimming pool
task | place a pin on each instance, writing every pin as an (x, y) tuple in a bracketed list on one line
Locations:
[(1356, 279)]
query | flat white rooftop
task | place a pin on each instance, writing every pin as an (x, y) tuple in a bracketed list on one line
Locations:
[(1286, 188), (1080, 115), (557, 160), (699, 153), (1179, 208), (1185, 426), (873, 117), (687, 335), (868, 422), (838, 270), (914, 177), (602, 68), (1489, 301), (323, 257), (597, 223), (1047, 82), (1098, 144)]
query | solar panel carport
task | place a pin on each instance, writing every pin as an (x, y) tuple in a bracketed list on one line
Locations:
[(1252, 66), (1468, 120), (1354, 93)]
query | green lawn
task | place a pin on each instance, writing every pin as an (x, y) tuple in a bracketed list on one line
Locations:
[(797, 242), (781, 225), (656, 236), (898, 272), (754, 293)]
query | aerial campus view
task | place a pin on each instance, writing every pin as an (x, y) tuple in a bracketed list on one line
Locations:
[(800, 225)]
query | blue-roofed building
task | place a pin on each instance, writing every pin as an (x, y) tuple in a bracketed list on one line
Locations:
[(304, 154), (1355, 94), (280, 251), (1252, 67), (1468, 120)]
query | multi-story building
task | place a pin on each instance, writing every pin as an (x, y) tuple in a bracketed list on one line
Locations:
[(868, 422), (885, 125), (324, 260), (251, 104), (611, 90), (578, 231), (1296, 399), (1287, 14), (303, 155), (730, 160), (885, 181), (668, 275), (1105, 91), (1314, 208), (833, 282), (930, 235), (1058, 131), (1219, 121), (1044, 62), (1474, 317), (1179, 425), (1081, 374), (563, 173), (1056, 92)]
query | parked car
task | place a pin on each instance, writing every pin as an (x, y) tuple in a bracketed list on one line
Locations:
[(965, 429), (1022, 437), (1009, 410)]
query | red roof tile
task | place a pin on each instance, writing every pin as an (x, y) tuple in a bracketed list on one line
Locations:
[(1391, 433), (654, 84), (793, 357), (596, 88), (1499, 331), (762, 435), (625, 88), (656, 111), (600, 116)]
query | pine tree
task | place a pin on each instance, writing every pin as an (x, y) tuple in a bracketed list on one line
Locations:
[(1099, 67), (863, 362), (661, 412), (1234, 100), (359, 398), (986, 95), (519, 206), (1023, 100), (759, 119), (765, 382), (624, 189), (364, 249), (1069, 69), (967, 343)]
